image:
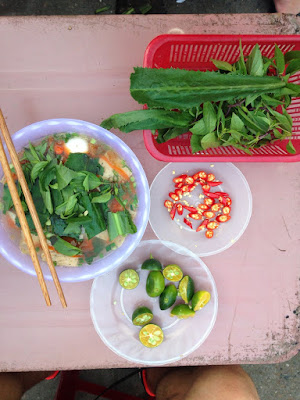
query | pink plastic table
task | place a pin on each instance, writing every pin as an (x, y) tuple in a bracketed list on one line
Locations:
[(78, 67)]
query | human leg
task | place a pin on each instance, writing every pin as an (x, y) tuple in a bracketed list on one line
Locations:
[(287, 6), (193, 383), (14, 384)]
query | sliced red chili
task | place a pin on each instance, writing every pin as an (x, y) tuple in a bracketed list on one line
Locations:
[(179, 185), (209, 202), (223, 200), (185, 188), (189, 180), (226, 210), (223, 218), (179, 208), (206, 188), (216, 207), (211, 177), (203, 207), (174, 196), (209, 214), (195, 216), (196, 176), (212, 195), (188, 223), (202, 175), (191, 187), (179, 178), (202, 225), (190, 209), (215, 183), (178, 192), (224, 194), (212, 225), (228, 201), (209, 234), (168, 204), (173, 211)]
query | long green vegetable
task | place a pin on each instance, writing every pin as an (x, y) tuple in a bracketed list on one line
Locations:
[(181, 89), (241, 104)]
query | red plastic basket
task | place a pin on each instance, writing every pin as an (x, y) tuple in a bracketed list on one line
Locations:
[(194, 52)]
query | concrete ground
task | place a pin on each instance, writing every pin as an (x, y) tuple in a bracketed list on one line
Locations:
[(273, 382)]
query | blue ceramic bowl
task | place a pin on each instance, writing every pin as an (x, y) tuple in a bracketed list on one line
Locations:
[(9, 248)]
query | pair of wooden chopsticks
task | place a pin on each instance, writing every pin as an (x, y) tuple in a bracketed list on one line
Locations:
[(21, 215)]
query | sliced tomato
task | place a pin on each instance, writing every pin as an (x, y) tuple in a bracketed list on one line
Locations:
[(115, 206), (71, 240), (223, 218), (212, 225), (59, 147), (209, 234), (209, 214)]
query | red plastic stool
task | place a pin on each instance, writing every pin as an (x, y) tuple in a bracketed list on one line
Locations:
[(70, 383)]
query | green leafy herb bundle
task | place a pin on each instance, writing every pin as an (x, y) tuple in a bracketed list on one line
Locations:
[(69, 197), (241, 105)]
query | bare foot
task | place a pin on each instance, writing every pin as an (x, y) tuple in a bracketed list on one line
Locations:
[(287, 6)]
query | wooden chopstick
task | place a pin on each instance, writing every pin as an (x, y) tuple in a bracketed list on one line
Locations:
[(23, 222), (32, 210)]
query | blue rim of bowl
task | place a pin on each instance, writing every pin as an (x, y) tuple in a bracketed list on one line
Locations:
[(118, 256)]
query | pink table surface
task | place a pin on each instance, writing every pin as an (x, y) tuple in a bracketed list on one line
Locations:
[(78, 67)]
